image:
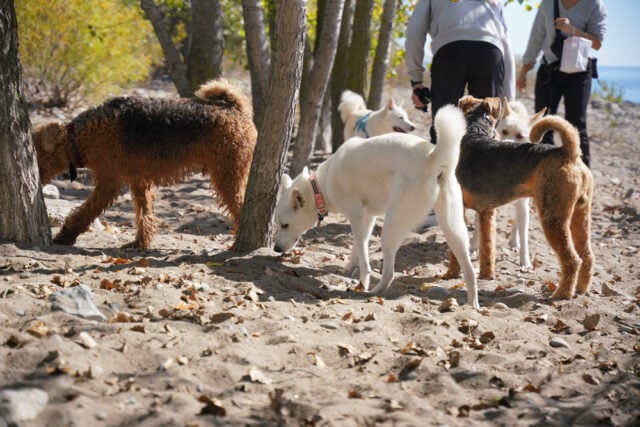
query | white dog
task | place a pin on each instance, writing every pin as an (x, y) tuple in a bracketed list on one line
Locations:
[(515, 126), (396, 175), (362, 122)]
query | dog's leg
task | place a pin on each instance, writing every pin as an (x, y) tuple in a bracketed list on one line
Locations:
[(555, 223), (473, 243), (580, 230), (361, 226), (104, 193), (142, 195), (229, 183), (451, 219), (399, 220), (520, 232), (486, 252)]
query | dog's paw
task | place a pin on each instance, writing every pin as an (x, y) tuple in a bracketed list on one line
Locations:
[(562, 293), (135, 245), (62, 239)]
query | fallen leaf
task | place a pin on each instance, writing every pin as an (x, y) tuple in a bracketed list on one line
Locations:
[(212, 407), (590, 379), (591, 321), (354, 393), (38, 329), (317, 360)]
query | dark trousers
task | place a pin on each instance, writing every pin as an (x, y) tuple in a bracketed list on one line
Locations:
[(479, 65), (551, 85)]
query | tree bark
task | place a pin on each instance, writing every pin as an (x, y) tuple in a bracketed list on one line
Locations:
[(257, 54), (339, 76), (381, 59), (23, 214), (207, 46), (275, 130), (314, 90), (359, 49), (175, 67)]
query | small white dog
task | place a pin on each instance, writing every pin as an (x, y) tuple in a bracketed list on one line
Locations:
[(515, 126), (362, 122), (396, 175)]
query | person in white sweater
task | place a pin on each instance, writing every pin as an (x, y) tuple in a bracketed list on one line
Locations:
[(582, 18), (471, 50)]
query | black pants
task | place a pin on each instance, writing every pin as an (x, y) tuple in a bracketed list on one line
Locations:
[(480, 65), (551, 85)]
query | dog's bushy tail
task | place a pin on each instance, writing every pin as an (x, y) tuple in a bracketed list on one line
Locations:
[(568, 134), (350, 104), (222, 93), (451, 126)]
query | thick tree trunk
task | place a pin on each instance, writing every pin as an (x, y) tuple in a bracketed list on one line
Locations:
[(257, 54), (23, 214), (275, 129), (207, 46), (339, 76), (312, 97), (175, 67), (381, 60)]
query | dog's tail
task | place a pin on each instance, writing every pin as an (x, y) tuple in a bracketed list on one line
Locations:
[(222, 93), (568, 134), (451, 126), (350, 104)]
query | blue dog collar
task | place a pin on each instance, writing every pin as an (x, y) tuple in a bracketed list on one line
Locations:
[(361, 125)]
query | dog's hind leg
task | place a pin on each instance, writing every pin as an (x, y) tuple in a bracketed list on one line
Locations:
[(580, 231), (229, 182), (103, 195), (142, 195), (361, 226), (557, 231), (451, 220)]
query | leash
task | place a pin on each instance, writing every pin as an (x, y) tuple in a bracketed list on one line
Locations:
[(361, 125), (321, 207)]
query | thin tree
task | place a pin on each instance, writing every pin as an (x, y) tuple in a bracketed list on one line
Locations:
[(203, 58), (274, 132), (257, 54), (339, 74), (359, 49), (23, 214), (381, 59), (311, 98)]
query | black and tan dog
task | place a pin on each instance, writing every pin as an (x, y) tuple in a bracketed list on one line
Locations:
[(494, 173), (143, 142)]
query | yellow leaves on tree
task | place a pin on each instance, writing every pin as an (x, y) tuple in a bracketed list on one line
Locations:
[(76, 47)]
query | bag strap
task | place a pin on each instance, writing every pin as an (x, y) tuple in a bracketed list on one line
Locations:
[(556, 15)]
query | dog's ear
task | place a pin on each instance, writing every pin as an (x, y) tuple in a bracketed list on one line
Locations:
[(297, 199), (391, 104), (493, 106), (468, 103), (49, 136), (507, 108), (286, 181), (537, 116)]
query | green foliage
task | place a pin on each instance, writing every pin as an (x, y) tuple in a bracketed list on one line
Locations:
[(609, 91), (79, 47)]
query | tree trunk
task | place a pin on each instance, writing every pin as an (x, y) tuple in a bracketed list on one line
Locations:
[(339, 76), (381, 60), (359, 49), (274, 134), (175, 67), (207, 46), (313, 95), (23, 214), (257, 54)]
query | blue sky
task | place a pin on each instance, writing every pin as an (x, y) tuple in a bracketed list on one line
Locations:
[(621, 46)]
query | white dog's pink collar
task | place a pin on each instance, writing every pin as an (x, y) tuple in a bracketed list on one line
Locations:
[(321, 207)]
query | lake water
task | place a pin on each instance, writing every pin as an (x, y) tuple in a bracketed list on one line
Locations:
[(625, 78)]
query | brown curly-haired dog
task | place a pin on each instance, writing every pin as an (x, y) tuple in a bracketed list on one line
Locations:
[(143, 142), (494, 173)]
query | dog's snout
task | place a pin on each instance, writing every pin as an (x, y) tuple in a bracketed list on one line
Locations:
[(412, 128), (277, 248)]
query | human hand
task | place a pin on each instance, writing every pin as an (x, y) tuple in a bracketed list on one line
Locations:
[(521, 82), (564, 25), (418, 97)]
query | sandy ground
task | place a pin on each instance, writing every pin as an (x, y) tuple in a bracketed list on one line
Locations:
[(195, 335)]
